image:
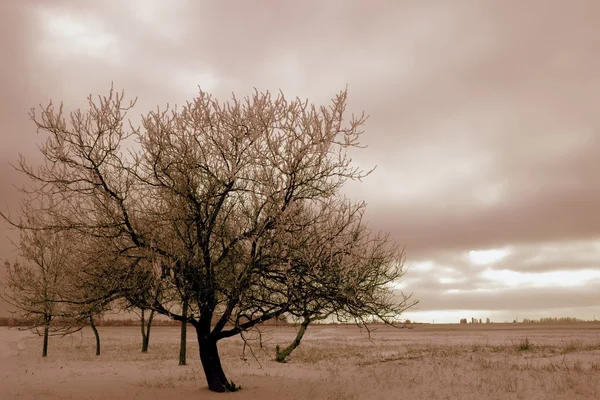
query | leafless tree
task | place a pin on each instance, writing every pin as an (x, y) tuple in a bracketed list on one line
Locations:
[(36, 280), (82, 302), (151, 288), (205, 189), (145, 291), (146, 317), (96, 278), (340, 269)]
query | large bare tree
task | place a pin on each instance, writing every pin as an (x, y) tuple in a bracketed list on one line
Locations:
[(205, 191)]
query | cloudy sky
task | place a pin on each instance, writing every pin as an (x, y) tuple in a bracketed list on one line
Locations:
[(484, 119)]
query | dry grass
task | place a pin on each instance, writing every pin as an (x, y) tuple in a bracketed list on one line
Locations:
[(331, 363)]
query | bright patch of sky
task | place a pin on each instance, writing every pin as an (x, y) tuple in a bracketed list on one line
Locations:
[(448, 280), (67, 34), (422, 266), (485, 257), (454, 316)]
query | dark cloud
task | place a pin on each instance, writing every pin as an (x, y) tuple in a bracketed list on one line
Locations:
[(484, 115)]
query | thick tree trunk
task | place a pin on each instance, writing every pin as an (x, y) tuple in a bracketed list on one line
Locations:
[(211, 363), (46, 331), (281, 356), (95, 334), (183, 340), (146, 331)]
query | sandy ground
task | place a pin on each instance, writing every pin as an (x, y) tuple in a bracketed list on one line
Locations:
[(427, 362)]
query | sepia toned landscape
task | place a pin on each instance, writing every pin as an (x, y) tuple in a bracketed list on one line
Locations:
[(445, 361), (316, 199)]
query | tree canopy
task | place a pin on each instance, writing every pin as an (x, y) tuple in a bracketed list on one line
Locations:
[(231, 208)]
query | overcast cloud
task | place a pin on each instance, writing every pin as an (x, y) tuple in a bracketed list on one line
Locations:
[(484, 121)]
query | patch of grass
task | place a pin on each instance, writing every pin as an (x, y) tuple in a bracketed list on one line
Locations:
[(571, 347), (524, 344), (312, 353), (342, 395), (476, 347)]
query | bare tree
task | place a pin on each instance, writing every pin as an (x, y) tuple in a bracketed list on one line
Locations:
[(207, 192), (149, 290), (94, 281), (83, 310), (35, 281), (145, 291), (341, 269), (146, 317)]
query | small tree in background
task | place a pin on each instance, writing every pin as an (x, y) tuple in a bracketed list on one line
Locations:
[(139, 299), (95, 281), (151, 288), (35, 281)]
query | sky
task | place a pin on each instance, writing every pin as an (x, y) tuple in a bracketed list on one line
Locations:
[(484, 122)]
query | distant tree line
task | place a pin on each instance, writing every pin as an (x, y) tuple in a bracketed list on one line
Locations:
[(546, 320), (475, 321), (554, 320)]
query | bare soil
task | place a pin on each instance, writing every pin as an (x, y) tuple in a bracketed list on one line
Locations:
[(496, 361)]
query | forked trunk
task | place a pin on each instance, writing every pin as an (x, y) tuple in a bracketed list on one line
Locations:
[(146, 330), (282, 355), (46, 331), (95, 334), (211, 363)]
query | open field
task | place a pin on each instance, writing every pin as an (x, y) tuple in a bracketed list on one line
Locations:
[(427, 362)]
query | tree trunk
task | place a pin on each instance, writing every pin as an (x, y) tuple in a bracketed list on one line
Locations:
[(146, 330), (183, 340), (95, 334), (211, 363), (281, 356), (143, 327), (46, 331)]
